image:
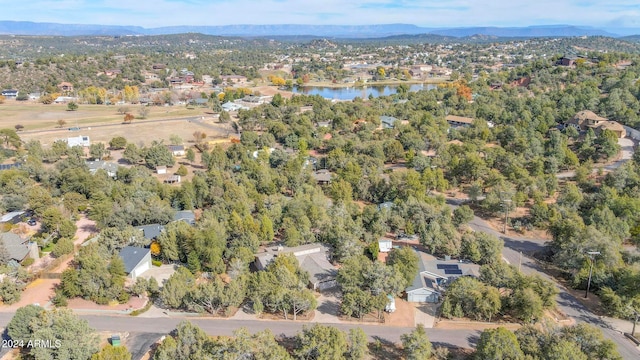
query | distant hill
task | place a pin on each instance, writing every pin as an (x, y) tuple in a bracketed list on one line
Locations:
[(335, 31), (529, 31)]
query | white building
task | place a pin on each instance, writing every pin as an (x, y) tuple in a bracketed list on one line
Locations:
[(81, 140)]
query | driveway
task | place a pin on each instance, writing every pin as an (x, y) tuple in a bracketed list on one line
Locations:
[(160, 273)]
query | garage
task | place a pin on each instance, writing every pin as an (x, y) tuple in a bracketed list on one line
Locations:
[(423, 295)]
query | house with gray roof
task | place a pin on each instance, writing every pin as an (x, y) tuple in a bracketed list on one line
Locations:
[(187, 216), (434, 275), (12, 217), (388, 122), (151, 231), (17, 247), (110, 168), (136, 260), (313, 258)]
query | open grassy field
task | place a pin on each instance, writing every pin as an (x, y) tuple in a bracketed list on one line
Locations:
[(102, 123)]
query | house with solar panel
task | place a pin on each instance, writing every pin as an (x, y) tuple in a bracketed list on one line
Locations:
[(434, 275)]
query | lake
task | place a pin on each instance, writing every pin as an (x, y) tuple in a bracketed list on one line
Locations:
[(350, 93)]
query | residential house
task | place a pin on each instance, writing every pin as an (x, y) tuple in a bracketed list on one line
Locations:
[(151, 231), (388, 122), (231, 106), (387, 205), (587, 119), (158, 66), (322, 177), (459, 121), (19, 248), (385, 245), (12, 217), (176, 150), (313, 258), (64, 99), (34, 96), (173, 179), (65, 86), (567, 60), (10, 166), (136, 260), (110, 168), (79, 141), (10, 93), (434, 275), (187, 216)]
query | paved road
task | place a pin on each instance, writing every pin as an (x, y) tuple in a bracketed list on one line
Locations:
[(151, 327), (515, 252)]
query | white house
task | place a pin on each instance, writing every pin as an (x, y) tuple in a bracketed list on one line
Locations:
[(160, 170), (136, 260), (177, 150), (385, 245), (79, 141)]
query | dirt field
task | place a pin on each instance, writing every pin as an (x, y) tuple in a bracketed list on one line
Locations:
[(102, 123)]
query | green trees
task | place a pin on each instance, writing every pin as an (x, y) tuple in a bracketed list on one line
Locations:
[(572, 342), (98, 277), (474, 298), (416, 344), (365, 285), (282, 287), (61, 326), (498, 344), (405, 260), (112, 353), (72, 106), (158, 155)]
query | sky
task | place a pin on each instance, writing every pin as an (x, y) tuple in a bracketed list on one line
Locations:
[(427, 13)]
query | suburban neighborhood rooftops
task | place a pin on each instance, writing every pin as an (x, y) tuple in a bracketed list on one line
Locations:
[(132, 256)]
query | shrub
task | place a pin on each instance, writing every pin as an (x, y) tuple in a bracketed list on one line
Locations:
[(27, 262), (156, 262)]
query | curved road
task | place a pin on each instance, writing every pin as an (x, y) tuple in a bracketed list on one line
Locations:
[(514, 252)]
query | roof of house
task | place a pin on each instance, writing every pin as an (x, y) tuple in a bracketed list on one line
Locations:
[(132, 256), (611, 125), (100, 164), (10, 216), (17, 247), (187, 216), (151, 231), (176, 147), (388, 120), (311, 257), (322, 175), (460, 119), (433, 271), (587, 115)]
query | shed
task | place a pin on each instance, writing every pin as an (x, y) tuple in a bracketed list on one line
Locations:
[(136, 260), (161, 170)]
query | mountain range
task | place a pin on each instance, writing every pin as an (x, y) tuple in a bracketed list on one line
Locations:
[(336, 31)]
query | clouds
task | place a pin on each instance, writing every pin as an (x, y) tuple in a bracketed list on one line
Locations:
[(428, 13)]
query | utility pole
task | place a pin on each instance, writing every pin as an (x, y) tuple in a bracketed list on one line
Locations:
[(635, 320), (592, 255), (505, 204)]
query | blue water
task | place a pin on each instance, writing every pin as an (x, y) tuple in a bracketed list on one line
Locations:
[(350, 93)]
